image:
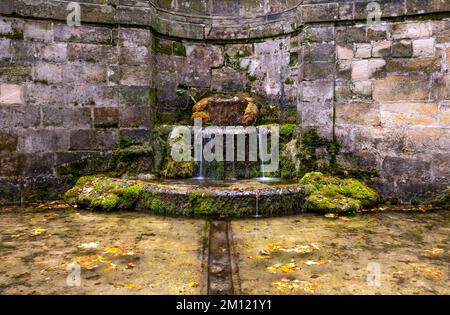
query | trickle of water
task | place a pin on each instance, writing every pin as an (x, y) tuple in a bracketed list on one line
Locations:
[(257, 215)]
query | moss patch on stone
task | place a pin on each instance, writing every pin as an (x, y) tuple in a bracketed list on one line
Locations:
[(442, 201), (104, 194), (332, 194)]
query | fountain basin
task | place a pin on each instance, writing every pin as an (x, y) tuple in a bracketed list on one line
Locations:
[(226, 198)]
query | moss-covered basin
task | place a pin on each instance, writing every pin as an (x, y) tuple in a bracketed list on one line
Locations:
[(188, 197)]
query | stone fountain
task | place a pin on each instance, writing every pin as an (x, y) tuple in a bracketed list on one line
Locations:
[(225, 182)]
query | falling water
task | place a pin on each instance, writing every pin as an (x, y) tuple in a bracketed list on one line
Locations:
[(261, 155), (199, 158), (257, 215)]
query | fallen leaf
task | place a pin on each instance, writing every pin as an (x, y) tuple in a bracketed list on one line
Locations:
[(38, 231), (430, 271), (331, 216), (193, 284), (129, 286)]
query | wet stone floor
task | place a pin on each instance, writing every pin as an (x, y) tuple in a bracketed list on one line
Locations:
[(56, 249)]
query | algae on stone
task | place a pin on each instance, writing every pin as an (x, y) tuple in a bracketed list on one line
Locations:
[(332, 194)]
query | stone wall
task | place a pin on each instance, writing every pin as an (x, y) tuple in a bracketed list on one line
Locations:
[(74, 93), (67, 93), (383, 90)]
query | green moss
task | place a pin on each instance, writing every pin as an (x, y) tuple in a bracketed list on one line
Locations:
[(442, 201), (332, 194), (14, 34), (174, 169), (293, 59), (287, 130), (179, 49), (162, 48), (326, 202)]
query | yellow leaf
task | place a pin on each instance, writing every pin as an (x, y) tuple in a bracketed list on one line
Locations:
[(330, 216), (39, 230), (129, 286), (192, 284), (112, 250)]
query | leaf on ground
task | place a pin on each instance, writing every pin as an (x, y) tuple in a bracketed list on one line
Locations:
[(263, 254), (192, 284), (306, 286), (39, 230), (129, 286), (296, 248), (110, 269), (331, 215), (286, 268), (111, 250), (344, 218), (430, 271)]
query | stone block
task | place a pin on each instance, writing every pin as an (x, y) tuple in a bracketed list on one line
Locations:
[(38, 31), (106, 117), (423, 47), (98, 95), (52, 52), (344, 52), (409, 65), (134, 55), (93, 139), (343, 69), (377, 33), (357, 114), (317, 71), (15, 73), (38, 165), (320, 12), (398, 88), (362, 50), (135, 75), (351, 34), (441, 30), (360, 70), (440, 89), (402, 49), (43, 94), (227, 79), (408, 114), (8, 141), (320, 33), (11, 94), (11, 164), (134, 95), (82, 34), (362, 88), (410, 30), (5, 49), (427, 139), (66, 117), (47, 73), (92, 53), (381, 48), (319, 52), (20, 116), (134, 136), (444, 115), (317, 115), (317, 91), (135, 117), (95, 73), (34, 141)]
